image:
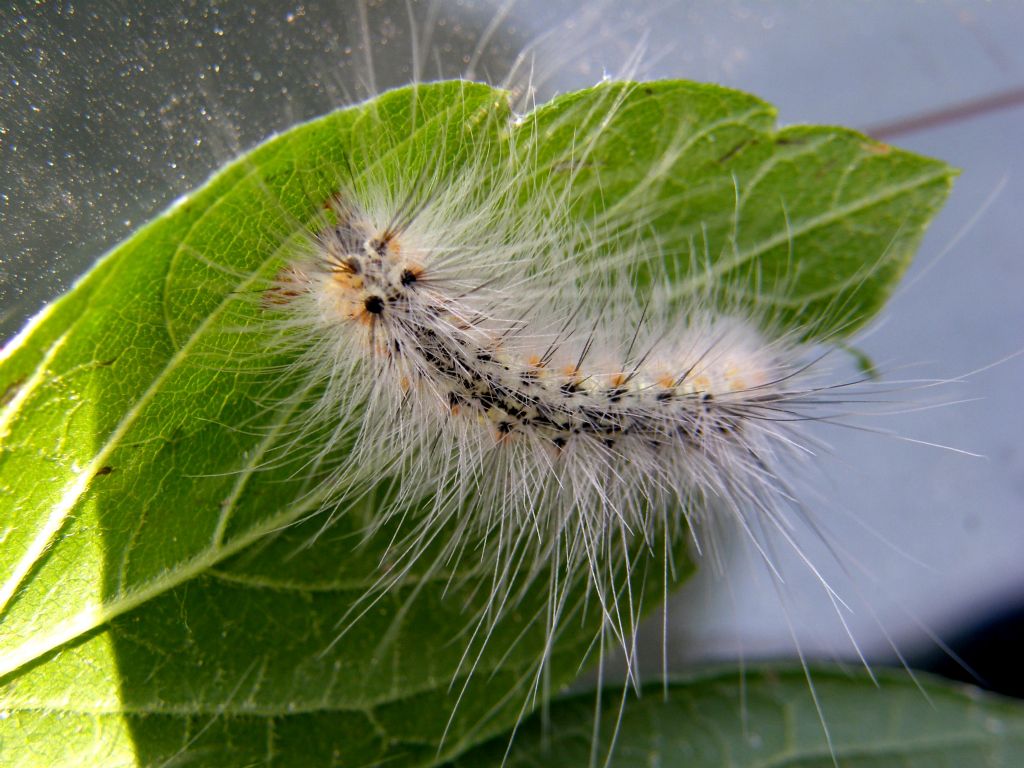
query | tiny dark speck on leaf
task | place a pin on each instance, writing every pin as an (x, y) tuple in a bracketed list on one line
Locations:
[(732, 152), (11, 391), (104, 471)]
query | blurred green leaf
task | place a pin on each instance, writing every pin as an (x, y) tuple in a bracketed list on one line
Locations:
[(766, 716)]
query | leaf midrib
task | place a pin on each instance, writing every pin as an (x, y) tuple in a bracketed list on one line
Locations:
[(723, 266)]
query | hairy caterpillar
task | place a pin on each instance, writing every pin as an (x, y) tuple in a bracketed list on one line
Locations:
[(549, 398), (629, 303), (553, 417)]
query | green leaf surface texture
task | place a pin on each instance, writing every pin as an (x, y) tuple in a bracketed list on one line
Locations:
[(167, 593), (765, 717)]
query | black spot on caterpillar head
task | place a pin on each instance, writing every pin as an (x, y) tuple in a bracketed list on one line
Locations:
[(378, 245), (408, 277), (373, 304)]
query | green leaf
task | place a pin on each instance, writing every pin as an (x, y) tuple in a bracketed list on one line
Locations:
[(160, 600), (712, 720)]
